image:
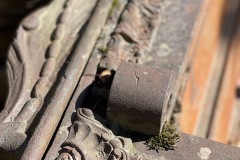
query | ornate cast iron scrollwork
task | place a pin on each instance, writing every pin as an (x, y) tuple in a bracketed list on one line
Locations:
[(89, 139)]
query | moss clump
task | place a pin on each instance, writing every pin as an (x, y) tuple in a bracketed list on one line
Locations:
[(166, 140)]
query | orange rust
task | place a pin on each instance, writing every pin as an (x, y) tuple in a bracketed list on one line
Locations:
[(202, 53), (225, 103), (207, 55)]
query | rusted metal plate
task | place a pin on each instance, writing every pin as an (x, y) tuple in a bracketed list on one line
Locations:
[(209, 50), (139, 98)]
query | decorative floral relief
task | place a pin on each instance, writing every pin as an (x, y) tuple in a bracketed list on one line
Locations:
[(89, 139)]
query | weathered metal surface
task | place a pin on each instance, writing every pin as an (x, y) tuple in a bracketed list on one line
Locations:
[(190, 147), (132, 37), (53, 52), (169, 48), (28, 61), (139, 98), (86, 80), (84, 86), (170, 44), (30, 48), (89, 139), (62, 94), (11, 13)]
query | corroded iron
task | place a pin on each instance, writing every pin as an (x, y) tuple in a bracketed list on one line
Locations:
[(139, 98), (62, 94), (99, 142), (51, 111), (83, 89)]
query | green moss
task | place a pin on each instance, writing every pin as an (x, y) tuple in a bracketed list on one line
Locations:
[(166, 140), (114, 6)]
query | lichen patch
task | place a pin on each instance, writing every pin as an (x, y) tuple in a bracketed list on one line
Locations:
[(204, 153)]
